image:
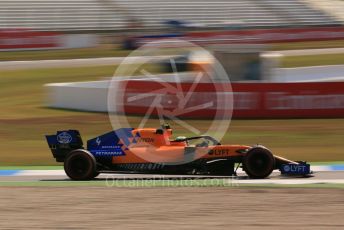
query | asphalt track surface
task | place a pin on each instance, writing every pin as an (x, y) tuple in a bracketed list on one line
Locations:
[(275, 178)]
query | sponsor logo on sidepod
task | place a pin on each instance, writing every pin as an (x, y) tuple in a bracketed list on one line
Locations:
[(98, 141)]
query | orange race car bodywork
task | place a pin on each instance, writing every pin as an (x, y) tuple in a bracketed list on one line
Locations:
[(151, 150), (150, 147)]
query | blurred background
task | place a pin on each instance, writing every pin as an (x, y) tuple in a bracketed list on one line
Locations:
[(285, 59)]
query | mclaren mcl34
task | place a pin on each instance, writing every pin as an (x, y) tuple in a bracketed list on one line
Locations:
[(153, 151)]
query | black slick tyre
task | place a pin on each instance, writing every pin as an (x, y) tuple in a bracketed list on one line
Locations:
[(80, 165), (258, 163)]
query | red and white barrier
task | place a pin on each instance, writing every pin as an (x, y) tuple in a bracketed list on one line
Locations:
[(206, 100), (250, 100), (254, 36), (23, 39), (268, 35)]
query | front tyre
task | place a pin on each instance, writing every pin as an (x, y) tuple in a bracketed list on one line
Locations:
[(258, 163), (80, 165)]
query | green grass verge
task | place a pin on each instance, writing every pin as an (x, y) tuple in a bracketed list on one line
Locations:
[(115, 51), (312, 60), (108, 50), (100, 51), (307, 45)]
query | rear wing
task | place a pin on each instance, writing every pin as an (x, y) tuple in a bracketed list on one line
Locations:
[(63, 142)]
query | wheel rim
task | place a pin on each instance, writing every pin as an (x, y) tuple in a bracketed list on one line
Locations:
[(259, 162)]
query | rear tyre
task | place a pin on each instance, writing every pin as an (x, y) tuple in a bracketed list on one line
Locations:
[(258, 163), (80, 165)]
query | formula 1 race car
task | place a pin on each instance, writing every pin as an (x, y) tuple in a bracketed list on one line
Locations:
[(151, 150)]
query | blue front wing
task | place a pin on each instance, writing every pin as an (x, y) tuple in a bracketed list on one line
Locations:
[(295, 169)]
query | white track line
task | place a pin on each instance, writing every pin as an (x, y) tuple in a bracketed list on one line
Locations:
[(292, 181)]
